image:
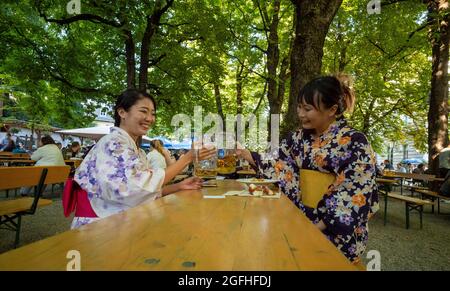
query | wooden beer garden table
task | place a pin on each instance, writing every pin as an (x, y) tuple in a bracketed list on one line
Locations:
[(186, 231)]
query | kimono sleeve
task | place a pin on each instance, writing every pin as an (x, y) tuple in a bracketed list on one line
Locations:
[(132, 181), (352, 198), (282, 167), (115, 174)]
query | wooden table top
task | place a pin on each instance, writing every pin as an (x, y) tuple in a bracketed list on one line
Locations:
[(422, 177), (12, 162), (76, 163), (385, 181), (185, 231)]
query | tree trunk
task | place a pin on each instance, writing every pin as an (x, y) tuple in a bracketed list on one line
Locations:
[(239, 78), (130, 59), (150, 30), (31, 137), (282, 77), (312, 21), (145, 50), (219, 102), (273, 58), (438, 111)]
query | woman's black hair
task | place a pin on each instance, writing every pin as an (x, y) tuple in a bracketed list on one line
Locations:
[(329, 91), (46, 139), (127, 99)]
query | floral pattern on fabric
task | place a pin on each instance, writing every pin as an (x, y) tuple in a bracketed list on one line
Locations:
[(116, 175), (350, 201)]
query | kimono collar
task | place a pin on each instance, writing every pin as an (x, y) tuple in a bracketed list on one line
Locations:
[(119, 131), (334, 128)]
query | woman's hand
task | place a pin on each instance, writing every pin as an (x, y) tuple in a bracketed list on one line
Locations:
[(203, 153), (192, 183), (245, 154)]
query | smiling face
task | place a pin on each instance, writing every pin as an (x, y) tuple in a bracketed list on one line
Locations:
[(317, 117), (139, 118)]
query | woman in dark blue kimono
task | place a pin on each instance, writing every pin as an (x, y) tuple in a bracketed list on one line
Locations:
[(328, 145)]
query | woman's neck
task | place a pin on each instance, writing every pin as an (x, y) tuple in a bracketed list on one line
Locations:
[(319, 131), (133, 137)]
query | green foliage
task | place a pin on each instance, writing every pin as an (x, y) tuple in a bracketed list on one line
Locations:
[(388, 57), (55, 71)]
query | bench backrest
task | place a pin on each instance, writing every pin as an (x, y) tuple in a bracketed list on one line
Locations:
[(16, 177), (21, 155), (56, 174)]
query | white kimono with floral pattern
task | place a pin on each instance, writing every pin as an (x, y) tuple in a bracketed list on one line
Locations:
[(116, 175)]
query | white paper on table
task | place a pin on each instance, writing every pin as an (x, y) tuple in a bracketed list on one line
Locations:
[(213, 196), (234, 193)]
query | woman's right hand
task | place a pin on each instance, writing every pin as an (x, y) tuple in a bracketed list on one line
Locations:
[(205, 153), (243, 153)]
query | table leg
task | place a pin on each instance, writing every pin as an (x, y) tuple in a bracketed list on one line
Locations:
[(407, 215), (385, 206)]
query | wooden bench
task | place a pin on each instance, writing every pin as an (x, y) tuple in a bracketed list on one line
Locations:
[(11, 211), (414, 188), (433, 196), (411, 203)]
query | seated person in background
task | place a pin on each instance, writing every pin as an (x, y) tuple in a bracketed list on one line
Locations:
[(9, 144), (420, 169), (409, 168), (388, 166), (159, 157), (444, 162), (400, 168), (19, 149), (48, 154), (75, 149), (116, 174)]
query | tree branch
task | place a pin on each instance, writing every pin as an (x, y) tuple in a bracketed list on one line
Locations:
[(174, 25), (79, 17), (246, 42), (59, 76), (264, 17), (153, 62)]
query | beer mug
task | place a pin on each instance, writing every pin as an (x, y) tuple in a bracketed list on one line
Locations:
[(226, 154), (226, 161), (205, 169)]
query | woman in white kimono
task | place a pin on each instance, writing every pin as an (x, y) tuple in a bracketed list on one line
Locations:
[(116, 174)]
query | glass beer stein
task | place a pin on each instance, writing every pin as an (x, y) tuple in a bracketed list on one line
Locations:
[(226, 154), (205, 169)]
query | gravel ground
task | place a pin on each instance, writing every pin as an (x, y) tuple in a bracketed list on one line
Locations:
[(400, 248)]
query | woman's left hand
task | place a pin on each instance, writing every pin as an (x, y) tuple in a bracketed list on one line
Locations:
[(192, 183)]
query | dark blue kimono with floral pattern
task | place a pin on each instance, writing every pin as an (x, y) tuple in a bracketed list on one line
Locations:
[(350, 201)]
